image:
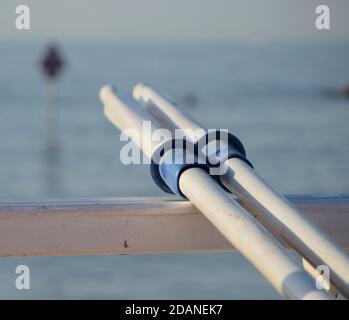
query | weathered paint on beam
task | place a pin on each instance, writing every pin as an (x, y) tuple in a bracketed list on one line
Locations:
[(135, 225)]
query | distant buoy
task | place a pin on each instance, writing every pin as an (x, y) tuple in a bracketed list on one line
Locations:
[(52, 62), (344, 91), (190, 100), (51, 65)]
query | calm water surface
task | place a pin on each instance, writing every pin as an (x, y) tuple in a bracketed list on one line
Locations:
[(281, 100)]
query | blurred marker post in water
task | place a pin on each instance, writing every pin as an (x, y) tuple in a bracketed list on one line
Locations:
[(51, 65)]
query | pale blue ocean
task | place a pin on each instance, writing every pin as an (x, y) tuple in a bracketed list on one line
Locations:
[(280, 100)]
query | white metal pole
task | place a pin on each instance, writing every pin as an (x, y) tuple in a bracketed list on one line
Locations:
[(234, 222), (315, 273), (275, 212), (240, 229)]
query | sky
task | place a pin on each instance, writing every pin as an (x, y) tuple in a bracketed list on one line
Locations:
[(175, 20)]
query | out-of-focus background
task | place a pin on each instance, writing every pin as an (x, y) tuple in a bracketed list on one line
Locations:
[(258, 68)]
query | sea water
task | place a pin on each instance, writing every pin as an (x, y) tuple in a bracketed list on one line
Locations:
[(281, 100)]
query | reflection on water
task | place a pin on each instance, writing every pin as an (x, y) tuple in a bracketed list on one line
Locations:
[(280, 100), (52, 176)]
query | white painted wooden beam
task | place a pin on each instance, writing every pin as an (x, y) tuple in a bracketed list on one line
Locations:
[(136, 225)]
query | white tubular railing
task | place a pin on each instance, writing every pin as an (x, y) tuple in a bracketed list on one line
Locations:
[(274, 211), (235, 223)]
